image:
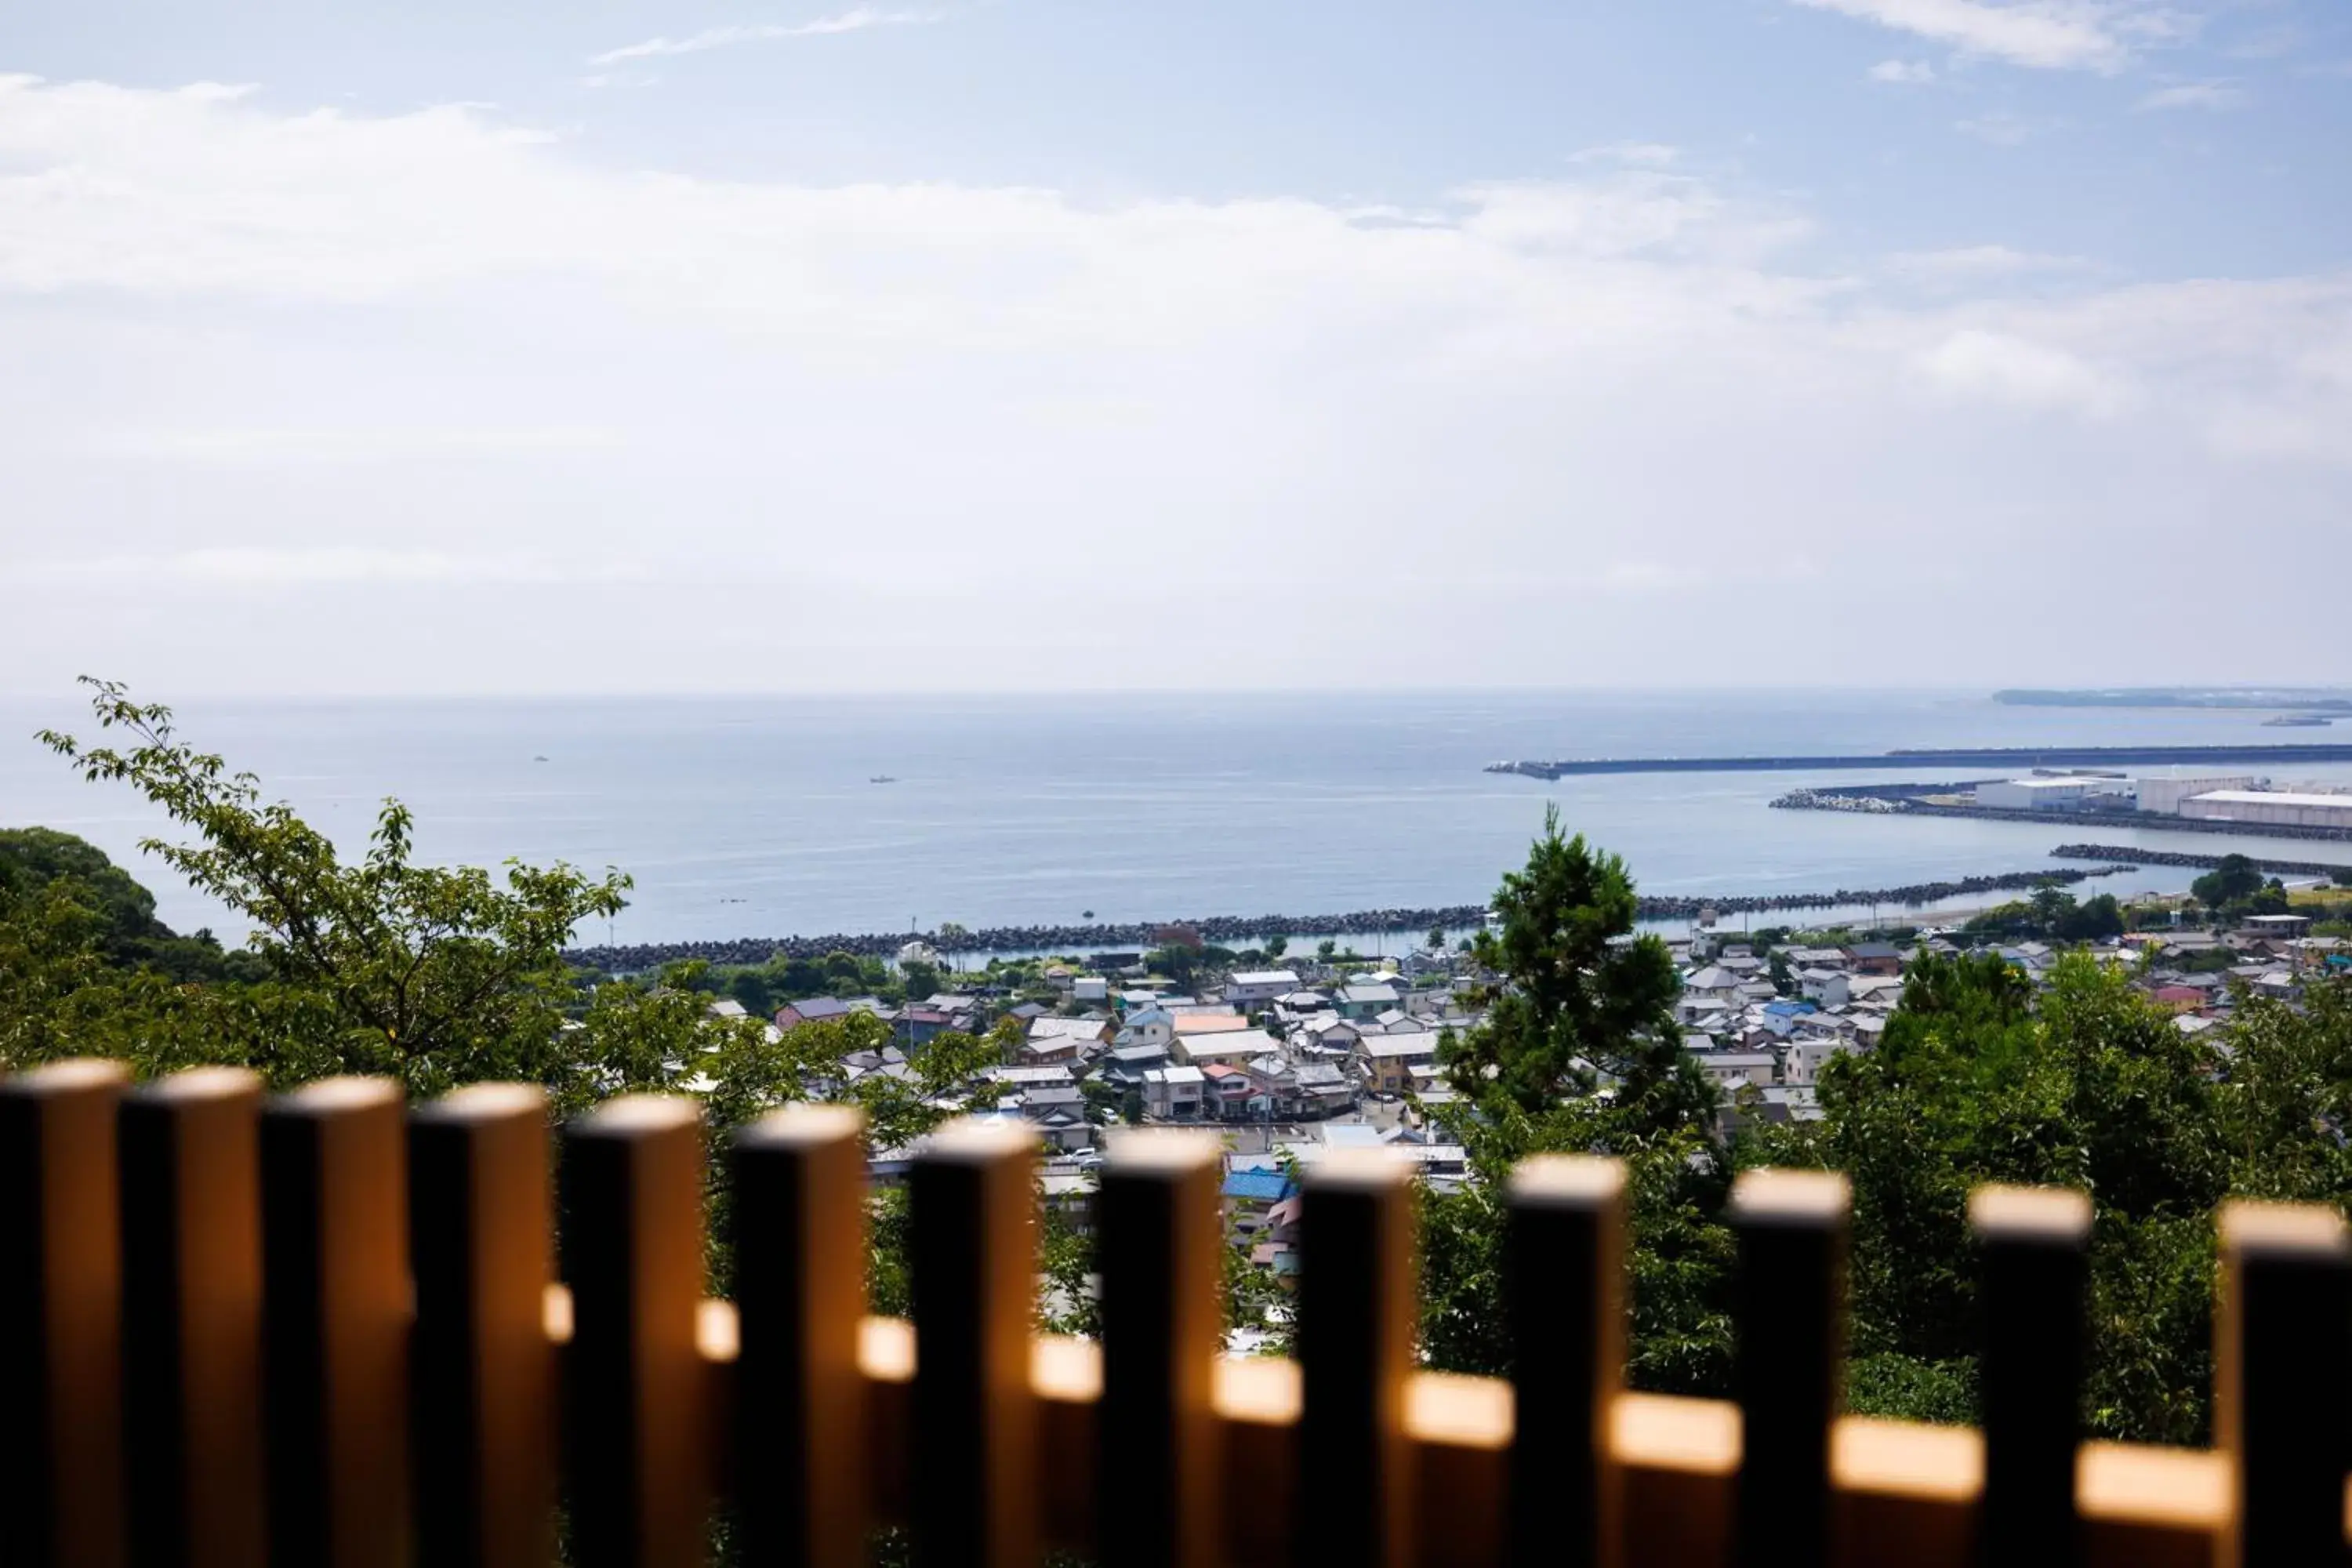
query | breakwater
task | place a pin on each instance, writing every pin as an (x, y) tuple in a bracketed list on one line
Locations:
[(2192, 861), (2009, 757), (1895, 800), (1225, 931)]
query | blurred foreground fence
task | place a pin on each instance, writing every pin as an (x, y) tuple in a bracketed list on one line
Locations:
[(322, 1329)]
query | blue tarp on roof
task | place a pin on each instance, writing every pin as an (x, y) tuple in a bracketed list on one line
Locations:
[(1259, 1187)]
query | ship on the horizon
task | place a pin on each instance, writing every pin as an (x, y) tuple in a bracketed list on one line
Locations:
[(2298, 721), (881, 778)]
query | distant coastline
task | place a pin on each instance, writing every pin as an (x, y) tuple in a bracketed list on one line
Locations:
[(2324, 699)]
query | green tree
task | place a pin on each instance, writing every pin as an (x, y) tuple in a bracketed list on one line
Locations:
[(1578, 1000), (1582, 1002), (2094, 919), (2232, 879), (1177, 961), (2086, 1086), (1275, 946), (435, 976)]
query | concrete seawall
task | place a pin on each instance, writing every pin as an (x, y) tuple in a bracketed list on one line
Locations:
[(1982, 757)]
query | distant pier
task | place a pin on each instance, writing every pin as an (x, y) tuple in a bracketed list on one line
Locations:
[(2013, 757)]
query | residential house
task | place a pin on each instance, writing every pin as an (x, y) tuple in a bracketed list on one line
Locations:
[(1059, 1115), (921, 1026), (1173, 1093), (1326, 1032), (810, 1010), (1273, 1077), (1731, 1070), (1879, 958), (1801, 1062), (1325, 1088), (1231, 1094), (1829, 987), (1236, 1045), (1040, 1049), (1368, 999), (1153, 1026), (1123, 1066), (1189, 1025), (1385, 1062), (1715, 981), (1250, 1193), (1253, 988)]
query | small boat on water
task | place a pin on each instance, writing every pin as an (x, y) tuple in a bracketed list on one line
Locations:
[(881, 778), (2298, 721)]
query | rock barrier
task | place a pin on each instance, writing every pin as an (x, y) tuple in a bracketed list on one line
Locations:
[(2196, 862), (1225, 931)]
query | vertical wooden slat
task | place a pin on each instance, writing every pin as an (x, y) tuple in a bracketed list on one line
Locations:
[(2033, 1249), (1160, 1257), (1792, 1229), (1355, 1349), (798, 1196), (1567, 1269), (335, 1310), (975, 1278), (484, 1374), (638, 1461), (60, 1318), (190, 1208), (2282, 1389)]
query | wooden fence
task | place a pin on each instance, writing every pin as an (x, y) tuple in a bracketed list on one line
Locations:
[(323, 1328)]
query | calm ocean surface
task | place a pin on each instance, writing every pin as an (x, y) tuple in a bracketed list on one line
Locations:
[(754, 816)]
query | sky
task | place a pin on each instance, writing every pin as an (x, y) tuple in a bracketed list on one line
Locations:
[(731, 345)]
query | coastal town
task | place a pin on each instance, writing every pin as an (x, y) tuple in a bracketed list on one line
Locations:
[(1291, 1061)]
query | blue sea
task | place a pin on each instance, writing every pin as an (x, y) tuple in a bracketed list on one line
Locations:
[(743, 817)]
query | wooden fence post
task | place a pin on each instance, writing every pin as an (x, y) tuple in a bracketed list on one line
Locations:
[(973, 1470), (798, 1218), (60, 1317), (2033, 1249), (637, 1459), (1356, 1322), (335, 1312), (1791, 1228), (191, 1210), (1160, 1259), (2281, 1389), (1567, 1283), (484, 1374)]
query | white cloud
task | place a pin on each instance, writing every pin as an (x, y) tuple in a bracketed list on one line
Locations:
[(2049, 34), (2211, 95), (554, 425), (280, 447), (1999, 368), (1975, 264), (2000, 128), (1903, 73), (1630, 154), (260, 568), (856, 21)]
